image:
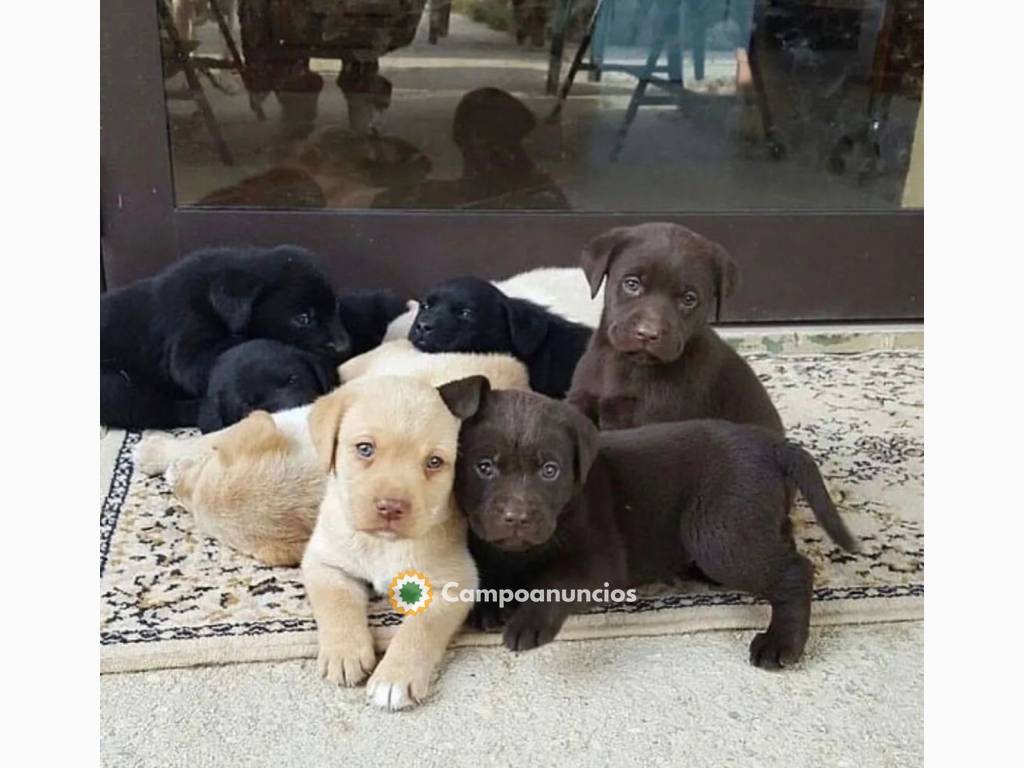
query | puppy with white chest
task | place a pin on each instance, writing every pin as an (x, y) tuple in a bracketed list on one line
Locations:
[(388, 446)]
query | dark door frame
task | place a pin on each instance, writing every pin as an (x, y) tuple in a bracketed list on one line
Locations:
[(796, 266)]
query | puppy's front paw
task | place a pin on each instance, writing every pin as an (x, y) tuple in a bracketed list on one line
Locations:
[(346, 662), (398, 684), (775, 650), (532, 625), (487, 616)]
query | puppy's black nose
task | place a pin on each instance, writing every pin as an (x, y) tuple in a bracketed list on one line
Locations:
[(423, 326), (392, 509), (338, 347), (645, 332)]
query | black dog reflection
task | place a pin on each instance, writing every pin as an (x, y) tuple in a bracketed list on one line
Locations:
[(497, 173)]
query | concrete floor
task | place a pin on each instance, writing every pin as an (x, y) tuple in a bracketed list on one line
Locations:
[(856, 700)]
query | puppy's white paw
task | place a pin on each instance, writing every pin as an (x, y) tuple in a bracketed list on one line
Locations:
[(346, 663), (390, 696), (397, 685), (154, 454)]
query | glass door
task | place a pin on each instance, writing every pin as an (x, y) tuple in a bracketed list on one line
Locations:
[(412, 139)]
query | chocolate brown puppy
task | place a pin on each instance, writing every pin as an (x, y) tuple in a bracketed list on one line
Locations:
[(540, 510), (552, 505), (654, 356)]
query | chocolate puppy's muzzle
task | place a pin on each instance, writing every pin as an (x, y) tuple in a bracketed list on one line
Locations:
[(649, 333), (513, 524)]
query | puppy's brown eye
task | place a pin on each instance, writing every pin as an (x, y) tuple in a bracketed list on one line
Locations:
[(434, 463), (465, 314), (485, 468), (365, 450), (631, 285), (550, 470), (689, 300)]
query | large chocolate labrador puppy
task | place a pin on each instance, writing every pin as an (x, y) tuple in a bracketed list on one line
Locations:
[(654, 357), (553, 504), (468, 314)]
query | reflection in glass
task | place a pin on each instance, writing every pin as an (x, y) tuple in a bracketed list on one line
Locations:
[(606, 105)]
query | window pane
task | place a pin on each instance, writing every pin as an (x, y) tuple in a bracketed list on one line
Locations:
[(679, 105)]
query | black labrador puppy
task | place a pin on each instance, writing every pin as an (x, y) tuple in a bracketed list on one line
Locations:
[(263, 375), (366, 316), (468, 314), (654, 356), (159, 337), (553, 504)]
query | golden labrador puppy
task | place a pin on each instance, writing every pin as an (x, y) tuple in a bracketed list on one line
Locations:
[(257, 485), (254, 486), (388, 448)]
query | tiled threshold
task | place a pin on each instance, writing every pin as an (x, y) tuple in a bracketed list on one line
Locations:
[(824, 338)]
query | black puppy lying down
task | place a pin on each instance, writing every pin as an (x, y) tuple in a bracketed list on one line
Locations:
[(553, 504), (263, 375), (267, 375), (159, 337), (468, 314)]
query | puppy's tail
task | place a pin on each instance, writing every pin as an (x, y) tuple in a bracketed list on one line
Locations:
[(800, 467)]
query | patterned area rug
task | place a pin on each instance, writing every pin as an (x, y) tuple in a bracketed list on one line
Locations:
[(171, 598)]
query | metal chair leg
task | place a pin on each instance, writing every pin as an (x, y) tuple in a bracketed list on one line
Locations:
[(236, 57), (195, 87), (638, 96), (562, 11), (577, 61), (775, 145)]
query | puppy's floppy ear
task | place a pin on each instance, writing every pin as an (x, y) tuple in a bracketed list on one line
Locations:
[(324, 420), (232, 295), (726, 276), (389, 304), (325, 373), (465, 396), (598, 255), (527, 326), (586, 437), (367, 314)]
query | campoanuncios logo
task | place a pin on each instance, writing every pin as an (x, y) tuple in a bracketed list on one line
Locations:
[(410, 593)]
